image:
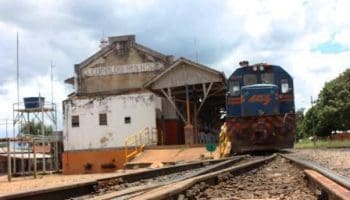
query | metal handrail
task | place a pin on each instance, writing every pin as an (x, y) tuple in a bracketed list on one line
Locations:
[(131, 141), (138, 141)]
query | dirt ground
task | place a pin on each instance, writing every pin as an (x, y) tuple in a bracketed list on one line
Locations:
[(335, 159), (157, 156), (21, 184)]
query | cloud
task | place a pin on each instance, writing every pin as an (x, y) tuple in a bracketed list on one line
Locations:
[(294, 35)]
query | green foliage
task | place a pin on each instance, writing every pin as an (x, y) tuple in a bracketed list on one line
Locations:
[(34, 128), (332, 110), (300, 119)]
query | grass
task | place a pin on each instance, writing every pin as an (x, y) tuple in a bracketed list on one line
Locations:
[(322, 144)]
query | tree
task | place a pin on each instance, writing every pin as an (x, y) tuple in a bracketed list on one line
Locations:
[(34, 128), (300, 120), (332, 110)]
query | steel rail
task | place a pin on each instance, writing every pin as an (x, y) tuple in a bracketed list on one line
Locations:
[(123, 194), (341, 180), (88, 187), (330, 184), (171, 190)]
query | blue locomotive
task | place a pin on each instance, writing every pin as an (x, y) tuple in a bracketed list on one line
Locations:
[(260, 108)]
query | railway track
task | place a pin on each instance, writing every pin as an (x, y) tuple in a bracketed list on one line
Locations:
[(139, 187), (124, 185), (241, 177), (272, 177)]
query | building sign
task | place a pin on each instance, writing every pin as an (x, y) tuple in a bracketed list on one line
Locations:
[(104, 70)]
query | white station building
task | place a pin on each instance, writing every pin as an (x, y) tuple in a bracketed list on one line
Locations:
[(126, 87)]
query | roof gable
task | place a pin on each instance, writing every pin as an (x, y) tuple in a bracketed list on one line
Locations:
[(183, 72), (117, 43)]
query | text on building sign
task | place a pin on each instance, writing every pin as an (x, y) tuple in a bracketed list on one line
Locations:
[(103, 70)]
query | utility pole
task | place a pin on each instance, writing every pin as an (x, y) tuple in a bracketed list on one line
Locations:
[(196, 50), (19, 126), (313, 122), (17, 73), (6, 130)]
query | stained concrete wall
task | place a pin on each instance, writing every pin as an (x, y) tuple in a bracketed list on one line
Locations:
[(140, 107)]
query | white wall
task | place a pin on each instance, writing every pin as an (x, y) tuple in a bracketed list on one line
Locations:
[(90, 135)]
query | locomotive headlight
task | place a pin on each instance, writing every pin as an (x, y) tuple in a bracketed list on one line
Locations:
[(255, 68), (261, 68)]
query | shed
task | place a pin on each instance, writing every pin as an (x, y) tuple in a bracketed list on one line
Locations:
[(195, 87)]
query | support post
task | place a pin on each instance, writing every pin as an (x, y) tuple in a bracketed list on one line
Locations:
[(56, 154), (29, 158), (195, 124), (187, 104), (8, 160), (43, 139), (14, 148), (188, 128), (22, 159), (35, 163)]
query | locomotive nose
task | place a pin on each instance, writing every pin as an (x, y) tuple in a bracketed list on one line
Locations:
[(259, 99)]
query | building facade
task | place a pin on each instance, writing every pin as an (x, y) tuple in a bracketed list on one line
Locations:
[(118, 92)]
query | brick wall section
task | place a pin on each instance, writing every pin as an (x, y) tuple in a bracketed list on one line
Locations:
[(76, 162)]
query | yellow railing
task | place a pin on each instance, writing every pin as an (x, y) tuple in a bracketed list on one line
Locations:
[(135, 144), (224, 142)]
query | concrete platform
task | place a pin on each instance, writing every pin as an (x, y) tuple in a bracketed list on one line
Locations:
[(159, 156)]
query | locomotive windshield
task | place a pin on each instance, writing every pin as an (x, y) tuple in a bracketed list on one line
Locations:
[(249, 79), (267, 78)]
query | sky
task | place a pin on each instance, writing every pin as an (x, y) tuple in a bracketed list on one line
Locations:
[(310, 39)]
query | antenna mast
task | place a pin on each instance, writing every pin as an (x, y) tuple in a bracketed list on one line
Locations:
[(17, 73), (51, 79), (196, 50)]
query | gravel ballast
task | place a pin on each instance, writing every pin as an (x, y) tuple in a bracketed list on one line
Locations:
[(277, 180)]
